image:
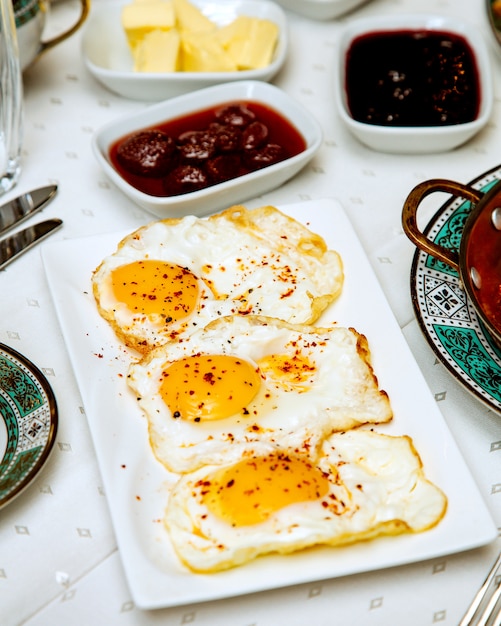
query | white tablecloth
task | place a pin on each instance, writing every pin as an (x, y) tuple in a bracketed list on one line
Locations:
[(59, 562)]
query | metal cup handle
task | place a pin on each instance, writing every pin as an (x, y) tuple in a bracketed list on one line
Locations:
[(50, 43), (410, 209)]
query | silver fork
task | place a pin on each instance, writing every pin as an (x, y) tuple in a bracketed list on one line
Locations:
[(475, 617)]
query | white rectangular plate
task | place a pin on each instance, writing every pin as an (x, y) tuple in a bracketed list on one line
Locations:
[(137, 485)]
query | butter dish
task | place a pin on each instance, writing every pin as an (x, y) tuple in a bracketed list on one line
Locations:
[(109, 59)]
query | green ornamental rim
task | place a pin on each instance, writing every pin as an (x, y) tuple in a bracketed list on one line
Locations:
[(25, 10), (29, 413)]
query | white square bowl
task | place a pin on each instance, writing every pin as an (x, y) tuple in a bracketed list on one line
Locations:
[(108, 58), (222, 195), (415, 139), (321, 9)]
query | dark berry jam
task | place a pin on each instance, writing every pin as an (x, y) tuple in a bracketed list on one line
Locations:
[(205, 148), (412, 78)]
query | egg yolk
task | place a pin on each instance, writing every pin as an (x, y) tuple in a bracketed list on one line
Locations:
[(211, 386), (156, 288), (290, 371), (250, 491)]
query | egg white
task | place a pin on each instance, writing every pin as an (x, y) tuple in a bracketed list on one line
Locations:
[(256, 261), (376, 480), (342, 392)]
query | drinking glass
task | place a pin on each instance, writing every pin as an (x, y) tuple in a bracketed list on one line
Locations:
[(11, 100)]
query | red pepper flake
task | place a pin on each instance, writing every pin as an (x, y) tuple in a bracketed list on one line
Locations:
[(287, 294)]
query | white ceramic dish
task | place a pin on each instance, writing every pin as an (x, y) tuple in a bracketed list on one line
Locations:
[(225, 194), (424, 139), (321, 9), (137, 486), (108, 58)]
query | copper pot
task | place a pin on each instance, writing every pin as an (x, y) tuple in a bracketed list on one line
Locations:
[(478, 261)]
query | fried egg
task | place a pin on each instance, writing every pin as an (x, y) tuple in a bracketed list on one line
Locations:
[(173, 276), (244, 384), (363, 485)]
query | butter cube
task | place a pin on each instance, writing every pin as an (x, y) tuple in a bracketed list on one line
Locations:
[(190, 18), (158, 51), (202, 52), (250, 41), (141, 17)]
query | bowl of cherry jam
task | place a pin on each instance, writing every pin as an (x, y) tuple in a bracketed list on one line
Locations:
[(209, 149), (413, 84)]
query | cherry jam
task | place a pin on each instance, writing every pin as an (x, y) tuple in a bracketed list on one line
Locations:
[(412, 78), (205, 148)]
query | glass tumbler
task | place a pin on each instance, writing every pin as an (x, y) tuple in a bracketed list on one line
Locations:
[(11, 100)]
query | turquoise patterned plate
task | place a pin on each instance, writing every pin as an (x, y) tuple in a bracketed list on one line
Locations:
[(28, 423), (446, 317)]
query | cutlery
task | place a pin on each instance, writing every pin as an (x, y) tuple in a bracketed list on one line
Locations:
[(13, 246), (21, 208)]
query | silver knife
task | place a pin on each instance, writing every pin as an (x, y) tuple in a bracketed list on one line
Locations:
[(21, 208), (13, 246)]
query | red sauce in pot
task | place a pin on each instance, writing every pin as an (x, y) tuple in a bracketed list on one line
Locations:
[(205, 148), (483, 252)]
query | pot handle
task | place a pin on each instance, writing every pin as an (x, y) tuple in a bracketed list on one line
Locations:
[(50, 43), (409, 216)]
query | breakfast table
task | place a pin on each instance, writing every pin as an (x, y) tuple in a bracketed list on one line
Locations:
[(59, 560)]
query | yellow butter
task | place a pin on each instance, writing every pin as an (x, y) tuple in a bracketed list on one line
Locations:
[(195, 43), (250, 41), (202, 52), (141, 17), (190, 18), (158, 51)]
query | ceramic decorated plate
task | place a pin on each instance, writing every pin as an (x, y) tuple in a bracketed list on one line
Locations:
[(28, 423), (447, 318)]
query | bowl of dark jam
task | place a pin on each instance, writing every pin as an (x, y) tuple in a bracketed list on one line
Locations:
[(413, 84), (209, 149), (477, 259)]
